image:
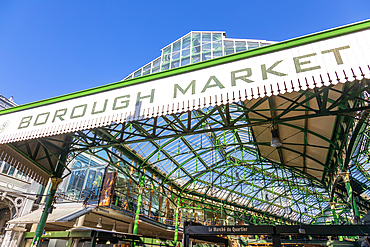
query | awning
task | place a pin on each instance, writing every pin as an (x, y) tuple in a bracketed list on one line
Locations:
[(62, 213), (87, 233), (34, 158)]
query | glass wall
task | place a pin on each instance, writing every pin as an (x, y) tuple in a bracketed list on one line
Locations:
[(195, 47), (85, 179)]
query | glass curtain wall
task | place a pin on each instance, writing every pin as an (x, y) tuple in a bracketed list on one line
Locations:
[(195, 47), (84, 182)]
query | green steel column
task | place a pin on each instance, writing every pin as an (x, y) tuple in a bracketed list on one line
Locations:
[(93, 239), (335, 216), (70, 242), (177, 220), (350, 195), (55, 181), (141, 187), (47, 209)]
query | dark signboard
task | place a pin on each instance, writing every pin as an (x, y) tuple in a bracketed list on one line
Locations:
[(118, 236), (327, 230), (228, 230)]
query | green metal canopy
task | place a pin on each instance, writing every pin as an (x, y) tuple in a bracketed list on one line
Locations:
[(215, 154)]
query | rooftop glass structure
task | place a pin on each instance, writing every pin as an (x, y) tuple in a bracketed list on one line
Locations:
[(196, 47)]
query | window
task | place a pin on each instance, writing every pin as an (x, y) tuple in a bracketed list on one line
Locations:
[(196, 42), (252, 45), (156, 65), (146, 69), (240, 46), (185, 61), (137, 73), (186, 42), (229, 47)]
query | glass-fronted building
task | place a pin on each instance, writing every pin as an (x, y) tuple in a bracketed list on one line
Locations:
[(85, 179)]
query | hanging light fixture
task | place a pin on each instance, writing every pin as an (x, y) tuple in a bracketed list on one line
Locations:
[(275, 141), (208, 127), (100, 223), (267, 198), (288, 210)]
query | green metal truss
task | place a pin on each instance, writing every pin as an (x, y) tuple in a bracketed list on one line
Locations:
[(210, 156)]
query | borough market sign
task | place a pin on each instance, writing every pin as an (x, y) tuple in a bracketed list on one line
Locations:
[(316, 64)]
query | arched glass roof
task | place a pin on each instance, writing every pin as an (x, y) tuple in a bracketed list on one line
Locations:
[(196, 47)]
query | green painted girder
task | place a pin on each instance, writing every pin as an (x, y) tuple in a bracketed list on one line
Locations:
[(243, 125), (347, 126), (45, 153), (261, 212), (132, 155), (191, 148), (359, 166), (30, 159), (271, 174), (181, 124), (125, 172), (163, 151), (355, 141)]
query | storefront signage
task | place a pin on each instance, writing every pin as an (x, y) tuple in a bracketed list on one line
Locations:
[(331, 61), (228, 230)]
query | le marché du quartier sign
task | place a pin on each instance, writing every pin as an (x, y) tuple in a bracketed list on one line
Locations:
[(316, 64), (228, 230)]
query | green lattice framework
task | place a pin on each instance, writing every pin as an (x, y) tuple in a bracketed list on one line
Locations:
[(209, 159)]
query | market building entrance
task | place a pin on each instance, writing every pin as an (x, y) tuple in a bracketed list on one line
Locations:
[(272, 140)]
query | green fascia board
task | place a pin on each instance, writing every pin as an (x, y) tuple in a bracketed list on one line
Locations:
[(354, 27), (53, 234), (80, 234), (28, 235), (161, 242)]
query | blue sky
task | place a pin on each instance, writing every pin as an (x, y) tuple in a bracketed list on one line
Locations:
[(50, 48)]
